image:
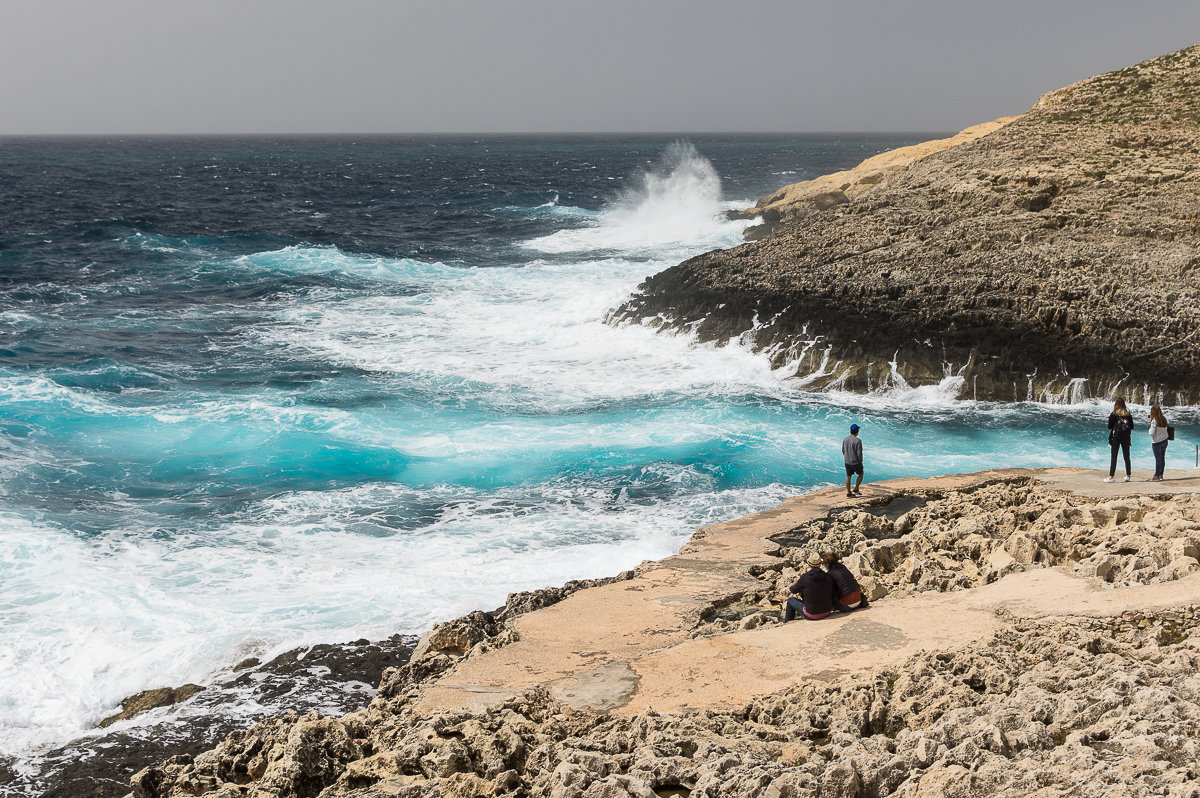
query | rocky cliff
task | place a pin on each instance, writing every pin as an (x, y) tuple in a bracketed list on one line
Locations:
[(1055, 258)]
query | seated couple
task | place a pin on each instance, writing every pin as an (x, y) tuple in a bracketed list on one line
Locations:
[(817, 593)]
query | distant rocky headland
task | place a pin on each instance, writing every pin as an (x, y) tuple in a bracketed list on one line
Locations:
[(1049, 257)]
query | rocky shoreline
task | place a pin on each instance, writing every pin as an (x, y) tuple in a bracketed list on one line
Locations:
[(331, 678), (1075, 673), (1052, 259)]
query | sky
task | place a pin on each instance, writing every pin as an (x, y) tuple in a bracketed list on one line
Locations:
[(508, 66)]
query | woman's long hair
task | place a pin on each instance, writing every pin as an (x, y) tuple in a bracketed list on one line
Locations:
[(1156, 415), (1119, 407)]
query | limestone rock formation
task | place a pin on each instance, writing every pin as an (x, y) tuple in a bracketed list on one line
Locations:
[(1069, 707), (1075, 705), (1054, 258), (150, 699), (794, 202), (973, 537)]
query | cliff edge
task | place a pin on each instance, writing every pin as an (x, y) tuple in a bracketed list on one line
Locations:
[(1052, 259)]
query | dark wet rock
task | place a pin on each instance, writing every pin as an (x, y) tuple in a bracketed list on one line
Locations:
[(1053, 259), (331, 678)]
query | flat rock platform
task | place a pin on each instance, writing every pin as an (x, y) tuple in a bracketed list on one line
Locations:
[(626, 646)]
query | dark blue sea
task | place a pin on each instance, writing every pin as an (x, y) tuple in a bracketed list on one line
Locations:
[(257, 393)]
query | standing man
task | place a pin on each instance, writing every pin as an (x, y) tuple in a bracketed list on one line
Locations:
[(852, 454)]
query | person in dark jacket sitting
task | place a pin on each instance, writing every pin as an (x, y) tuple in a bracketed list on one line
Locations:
[(847, 594), (812, 595)]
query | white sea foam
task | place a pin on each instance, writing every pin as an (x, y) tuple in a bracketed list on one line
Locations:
[(677, 204), (15, 321), (535, 337), (97, 619), (330, 260)]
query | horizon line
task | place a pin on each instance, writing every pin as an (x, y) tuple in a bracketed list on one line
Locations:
[(461, 134)]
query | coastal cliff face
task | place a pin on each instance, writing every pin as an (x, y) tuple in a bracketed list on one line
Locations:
[(1053, 259)]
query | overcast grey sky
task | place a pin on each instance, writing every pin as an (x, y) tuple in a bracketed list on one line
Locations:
[(301, 66)]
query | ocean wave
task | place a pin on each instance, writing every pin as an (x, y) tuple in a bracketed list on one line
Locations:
[(529, 339), (13, 321), (96, 614), (326, 261), (551, 209), (676, 206)]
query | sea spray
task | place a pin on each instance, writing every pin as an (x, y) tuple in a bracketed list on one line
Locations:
[(676, 203)]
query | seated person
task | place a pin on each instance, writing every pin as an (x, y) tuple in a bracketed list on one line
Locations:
[(847, 595), (815, 589)]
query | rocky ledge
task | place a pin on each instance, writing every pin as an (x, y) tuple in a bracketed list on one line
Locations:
[(1054, 258), (1030, 634)]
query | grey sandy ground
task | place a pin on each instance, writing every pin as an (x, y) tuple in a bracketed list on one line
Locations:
[(625, 646)]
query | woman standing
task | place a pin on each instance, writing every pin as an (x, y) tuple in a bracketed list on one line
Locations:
[(1120, 427), (1158, 441)]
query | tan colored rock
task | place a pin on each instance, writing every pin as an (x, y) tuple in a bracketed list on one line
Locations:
[(1023, 549), (150, 699), (1049, 260), (821, 193), (982, 689)]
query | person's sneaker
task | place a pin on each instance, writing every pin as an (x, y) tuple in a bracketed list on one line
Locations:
[(1128, 478), (849, 495), (856, 493), (1108, 479)]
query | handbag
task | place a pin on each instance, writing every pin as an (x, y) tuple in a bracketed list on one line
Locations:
[(1170, 433)]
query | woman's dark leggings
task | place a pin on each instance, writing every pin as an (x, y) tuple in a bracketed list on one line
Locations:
[(1112, 465)]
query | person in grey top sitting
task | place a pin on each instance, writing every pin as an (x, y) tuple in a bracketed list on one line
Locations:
[(853, 455)]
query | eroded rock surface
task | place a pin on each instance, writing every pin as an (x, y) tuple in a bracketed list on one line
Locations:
[(1092, 704), (1053, 259), (961, 539), (1078, 707)]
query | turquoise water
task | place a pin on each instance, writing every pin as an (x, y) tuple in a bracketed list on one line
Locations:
[(319, 412)]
